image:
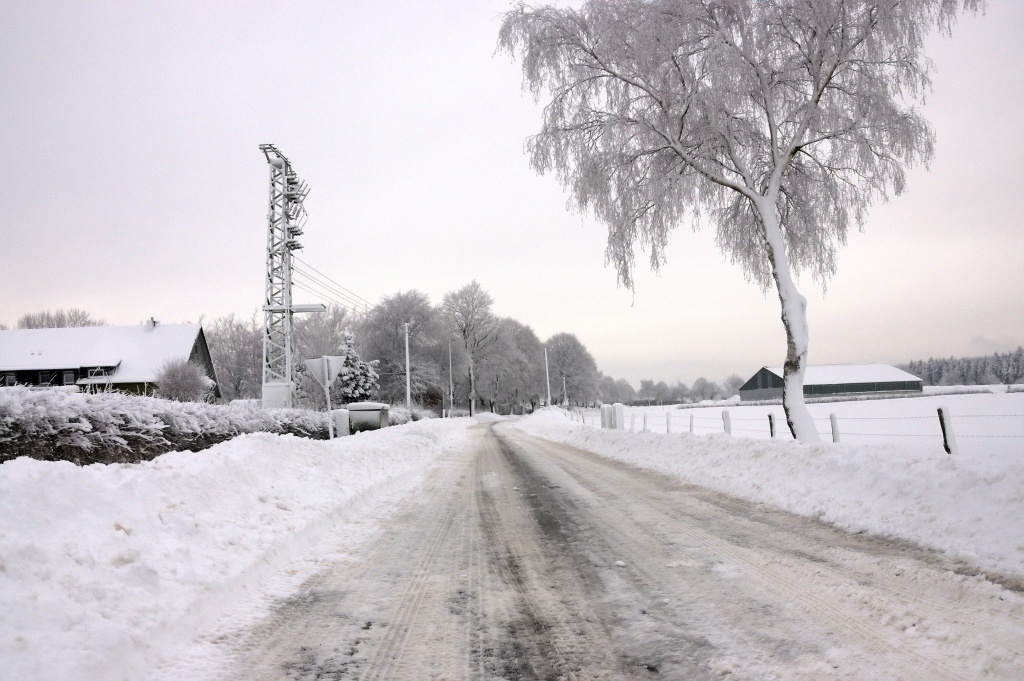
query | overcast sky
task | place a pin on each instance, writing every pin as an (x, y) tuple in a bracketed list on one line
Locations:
[(133, 185)]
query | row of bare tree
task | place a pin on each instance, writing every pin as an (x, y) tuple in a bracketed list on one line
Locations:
[(459, 346)]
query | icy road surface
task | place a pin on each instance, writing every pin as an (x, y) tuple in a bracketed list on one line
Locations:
[(523, 559)]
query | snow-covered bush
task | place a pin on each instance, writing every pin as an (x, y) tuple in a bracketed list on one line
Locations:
[(399, 415), (84, 428), (183, 381)]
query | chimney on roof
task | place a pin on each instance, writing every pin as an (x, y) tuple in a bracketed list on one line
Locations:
[(151, 324)]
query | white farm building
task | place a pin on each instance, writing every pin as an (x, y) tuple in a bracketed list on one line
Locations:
[(125, 358), (833, 379)]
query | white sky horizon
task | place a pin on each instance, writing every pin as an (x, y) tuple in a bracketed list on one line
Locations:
[(135, 186)]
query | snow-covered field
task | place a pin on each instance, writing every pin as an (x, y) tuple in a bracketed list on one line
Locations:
[(970, 506), (104, 569)]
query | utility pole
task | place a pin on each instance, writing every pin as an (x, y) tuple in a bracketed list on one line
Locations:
[(547, 375), (285, 220), (451, 383), (408, 381), (327, 394)]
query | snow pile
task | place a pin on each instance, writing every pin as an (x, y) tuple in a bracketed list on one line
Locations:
[(970, 507), (99, 563), (85, 428), (398, 415)]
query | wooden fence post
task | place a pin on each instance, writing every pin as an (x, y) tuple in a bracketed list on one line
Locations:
[(948, 437), (691, 423), (645, 421), (771, 424), (835, 427), (668, 422), (726, 422)]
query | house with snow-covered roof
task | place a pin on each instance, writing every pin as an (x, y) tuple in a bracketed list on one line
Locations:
[(126, 358), (833, 379)]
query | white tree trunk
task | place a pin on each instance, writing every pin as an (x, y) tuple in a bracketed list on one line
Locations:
[(794, 320)]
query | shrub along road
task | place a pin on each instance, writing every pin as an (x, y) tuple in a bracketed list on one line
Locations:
[(525, 559)]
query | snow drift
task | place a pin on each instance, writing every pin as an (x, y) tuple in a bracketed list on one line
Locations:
[(105, 568)]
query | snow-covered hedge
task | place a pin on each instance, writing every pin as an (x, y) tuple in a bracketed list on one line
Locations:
[(83, 428)]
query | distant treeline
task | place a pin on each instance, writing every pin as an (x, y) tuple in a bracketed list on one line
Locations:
[(987, 370)]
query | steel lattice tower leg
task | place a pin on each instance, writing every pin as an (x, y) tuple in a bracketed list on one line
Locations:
[(285, 219)]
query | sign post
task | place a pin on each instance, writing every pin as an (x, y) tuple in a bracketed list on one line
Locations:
[(324, 370)]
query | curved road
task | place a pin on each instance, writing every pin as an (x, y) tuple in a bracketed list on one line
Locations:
[(523, 559)]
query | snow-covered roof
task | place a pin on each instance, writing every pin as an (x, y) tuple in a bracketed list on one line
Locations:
[(830, 374), (138, 352)]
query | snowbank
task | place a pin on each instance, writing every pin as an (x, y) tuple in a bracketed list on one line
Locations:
[(969, 507), (105, 568)]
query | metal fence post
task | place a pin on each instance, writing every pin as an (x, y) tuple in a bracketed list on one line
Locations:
[(771, 424), (948, 437), (835, 427), (726, 422)]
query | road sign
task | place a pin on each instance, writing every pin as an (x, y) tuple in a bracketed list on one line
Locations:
[(324, 370)]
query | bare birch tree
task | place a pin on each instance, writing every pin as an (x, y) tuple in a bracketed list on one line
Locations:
[(236, 348), (468, 313), (777, 121)]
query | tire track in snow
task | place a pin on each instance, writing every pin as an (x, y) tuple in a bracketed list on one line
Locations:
[(780, 571)]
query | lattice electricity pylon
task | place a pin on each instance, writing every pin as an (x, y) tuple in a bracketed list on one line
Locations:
[(285, 220)]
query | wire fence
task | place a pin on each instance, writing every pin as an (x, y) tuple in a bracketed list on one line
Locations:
[(927, 431)]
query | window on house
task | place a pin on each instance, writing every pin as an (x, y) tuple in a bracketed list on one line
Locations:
[(10, 378), (69, 377), (45, 377)]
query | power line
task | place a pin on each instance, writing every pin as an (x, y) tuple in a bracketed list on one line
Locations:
[(324, 298), (351, 293), (326, 285), (318, 289), (312, 279), (322, 291)]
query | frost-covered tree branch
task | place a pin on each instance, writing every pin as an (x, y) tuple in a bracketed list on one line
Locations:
[(776, 121)]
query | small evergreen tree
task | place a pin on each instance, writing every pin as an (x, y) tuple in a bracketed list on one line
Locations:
[(357, 379), (355, 382)]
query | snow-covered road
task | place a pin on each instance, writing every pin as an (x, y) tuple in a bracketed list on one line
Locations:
[(521, 558)]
